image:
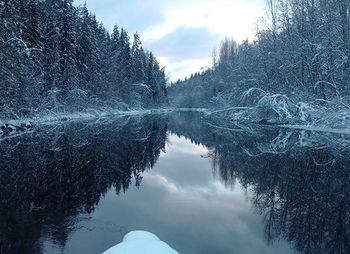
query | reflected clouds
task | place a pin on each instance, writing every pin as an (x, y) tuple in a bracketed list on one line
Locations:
[(182, 145), (193, 212)]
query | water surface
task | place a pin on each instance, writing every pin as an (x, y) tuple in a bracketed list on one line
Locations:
[(80, 187)]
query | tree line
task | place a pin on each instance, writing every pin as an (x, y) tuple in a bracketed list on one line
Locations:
[(55, 56), (302, 52)]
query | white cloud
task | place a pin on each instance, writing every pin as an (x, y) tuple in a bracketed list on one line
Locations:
[(180, 69), (235, 19), (232, 18)]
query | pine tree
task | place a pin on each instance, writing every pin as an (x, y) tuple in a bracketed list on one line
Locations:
[(67, 49), (32, 35), (125, 64), (51, 50), (150, 79), (87, 53), (137, 53), (14, 57), (105, 52), (113, 65)]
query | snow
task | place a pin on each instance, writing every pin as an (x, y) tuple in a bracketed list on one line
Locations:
[(26, 125), (91, 114), (316, 129), (275, 111), (141, 242)]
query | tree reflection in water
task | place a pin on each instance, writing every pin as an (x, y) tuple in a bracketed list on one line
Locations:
[(300, 181), (46, 180)]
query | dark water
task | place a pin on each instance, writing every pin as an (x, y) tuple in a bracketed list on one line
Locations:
[(199, 185)]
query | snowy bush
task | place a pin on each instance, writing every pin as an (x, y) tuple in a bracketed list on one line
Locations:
[(275, 109)]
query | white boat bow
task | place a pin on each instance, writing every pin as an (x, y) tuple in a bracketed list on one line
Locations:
[(141, 242)]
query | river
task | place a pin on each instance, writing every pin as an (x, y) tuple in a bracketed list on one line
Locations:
[(79, 187)]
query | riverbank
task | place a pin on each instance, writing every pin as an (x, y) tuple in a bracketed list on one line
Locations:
[(14, 127)]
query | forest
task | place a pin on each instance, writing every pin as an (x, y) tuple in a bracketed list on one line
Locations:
[(55, 57), (295, 71)]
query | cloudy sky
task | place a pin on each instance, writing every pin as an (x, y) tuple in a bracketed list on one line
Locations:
[(181, 33)]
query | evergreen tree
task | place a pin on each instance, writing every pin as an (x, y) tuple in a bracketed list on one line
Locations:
[(125, 64), (67, 49), (51, 50), (150, 78), (87, 52), (14, 57), (138, 75), (32, 32)]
